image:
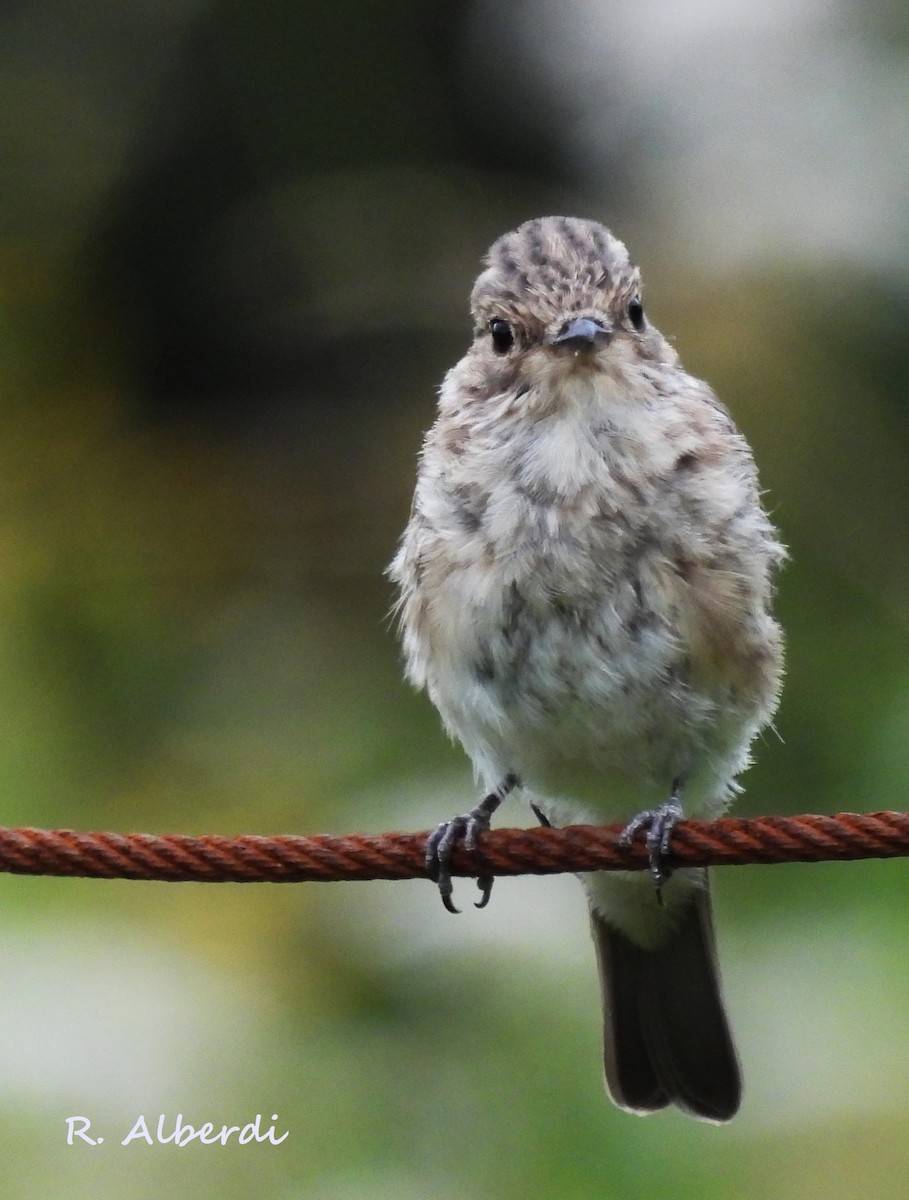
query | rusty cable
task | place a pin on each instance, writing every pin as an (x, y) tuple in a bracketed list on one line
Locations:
[(290, 859)]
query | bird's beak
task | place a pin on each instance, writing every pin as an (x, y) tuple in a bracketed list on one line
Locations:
[(580, 334)]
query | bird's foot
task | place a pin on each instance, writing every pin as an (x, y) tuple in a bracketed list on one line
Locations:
[(659, 823), (465, 829)]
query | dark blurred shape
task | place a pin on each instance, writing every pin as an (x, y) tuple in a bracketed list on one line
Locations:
[(193, 262)]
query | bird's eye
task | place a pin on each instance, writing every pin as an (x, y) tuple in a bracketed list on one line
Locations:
[(636, 313), (502, 337)]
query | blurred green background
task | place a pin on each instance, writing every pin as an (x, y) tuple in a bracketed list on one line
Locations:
[(236, 243)]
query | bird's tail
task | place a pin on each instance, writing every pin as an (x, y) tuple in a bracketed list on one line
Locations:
[(666, 1039)]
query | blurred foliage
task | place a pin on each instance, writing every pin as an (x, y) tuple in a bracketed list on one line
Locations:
[(235, 247)]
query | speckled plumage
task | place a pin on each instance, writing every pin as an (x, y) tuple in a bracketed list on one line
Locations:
[(586, 577)]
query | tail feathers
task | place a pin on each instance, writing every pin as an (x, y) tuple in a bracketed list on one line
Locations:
[(666, 1037)]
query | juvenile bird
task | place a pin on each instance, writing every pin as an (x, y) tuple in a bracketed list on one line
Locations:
[(584, 591)]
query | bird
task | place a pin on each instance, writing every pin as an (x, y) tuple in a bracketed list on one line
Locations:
[(584, 589)]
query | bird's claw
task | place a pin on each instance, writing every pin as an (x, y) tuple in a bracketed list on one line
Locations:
[(440, 846), (659, 824), (467, 828)]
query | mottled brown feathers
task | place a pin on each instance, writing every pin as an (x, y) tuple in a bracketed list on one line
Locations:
[(554, 264), (585, 589)]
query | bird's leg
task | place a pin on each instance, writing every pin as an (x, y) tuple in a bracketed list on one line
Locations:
[(441, 843), (541, 817), (659, 823)]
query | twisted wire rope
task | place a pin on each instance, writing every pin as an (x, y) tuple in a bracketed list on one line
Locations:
[(252, 858)]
